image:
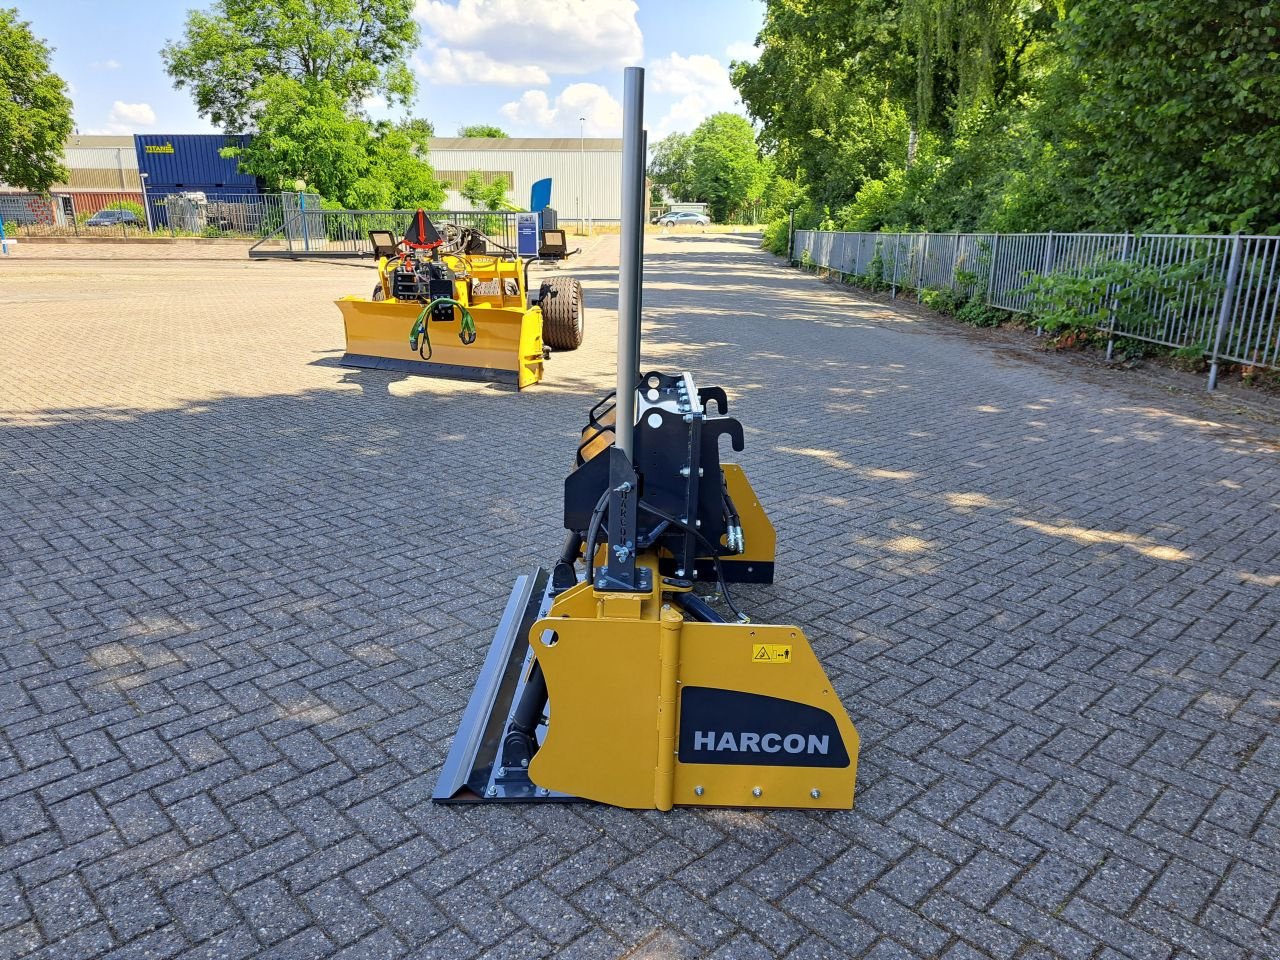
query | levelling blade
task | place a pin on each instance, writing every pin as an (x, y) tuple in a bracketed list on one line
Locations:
[(474, 770)]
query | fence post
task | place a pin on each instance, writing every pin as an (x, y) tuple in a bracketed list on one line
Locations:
[(991, 268), (1112, 291), (1045, 268), (1228, 303), (1048, 256), (893, 278), (924, 260), (955, 258)]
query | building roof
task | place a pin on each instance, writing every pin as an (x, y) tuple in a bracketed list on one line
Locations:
[(94, 140), (565, 144)]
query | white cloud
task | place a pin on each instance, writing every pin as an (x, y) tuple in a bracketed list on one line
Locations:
[(105, 65), (536, 114), (701, 85), (559, 36), (127, 117), (448, 67), (746, 50)]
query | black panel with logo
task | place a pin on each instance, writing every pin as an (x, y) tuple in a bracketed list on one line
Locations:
[(729, 726)]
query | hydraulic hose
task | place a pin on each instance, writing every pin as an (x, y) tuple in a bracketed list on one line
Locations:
[(420, 336)]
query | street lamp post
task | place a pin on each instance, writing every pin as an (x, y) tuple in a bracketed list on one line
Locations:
[(146, 206), (582, 134)]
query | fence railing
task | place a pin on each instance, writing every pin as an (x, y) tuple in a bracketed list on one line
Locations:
[(1216, 294), (171, 214), (345, 233)]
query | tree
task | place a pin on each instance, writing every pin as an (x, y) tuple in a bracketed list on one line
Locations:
[(296, 73), (35, 113), (725, 169), (1176, 113), (483, 130), (304, 133), (357, 48), (670, 168), (485, 195)]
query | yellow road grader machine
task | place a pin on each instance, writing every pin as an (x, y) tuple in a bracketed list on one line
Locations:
[(451, 302), (609, 678)]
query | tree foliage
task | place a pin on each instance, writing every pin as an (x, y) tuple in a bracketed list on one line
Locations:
[(355, 48), (482, 130), (35, 113), (669, 166), (485, 195), (1021, 114), (717, 164), (305, 133), (297, 74)]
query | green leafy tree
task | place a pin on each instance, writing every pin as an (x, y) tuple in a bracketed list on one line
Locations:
[(296, 73), (357, 48), (305, 133), (1178, 112), (725, 168), (483, 130), (419, 129), (484, 194), (35, 113), (669, 166)]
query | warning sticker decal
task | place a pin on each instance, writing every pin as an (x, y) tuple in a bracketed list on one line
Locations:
[(771, 653)]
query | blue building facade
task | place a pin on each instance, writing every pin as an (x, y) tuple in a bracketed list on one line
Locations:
[(192, 162)]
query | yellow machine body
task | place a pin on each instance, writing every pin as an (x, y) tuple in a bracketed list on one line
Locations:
[(508, 347), (617, 683), (619, 668)]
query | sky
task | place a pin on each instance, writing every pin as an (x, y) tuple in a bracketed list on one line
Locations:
[(532, 67)]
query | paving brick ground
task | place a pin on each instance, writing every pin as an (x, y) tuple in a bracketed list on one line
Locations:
[(245, 594)]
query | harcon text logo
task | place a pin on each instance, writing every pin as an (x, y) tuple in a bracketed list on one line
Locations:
[(761, 742)]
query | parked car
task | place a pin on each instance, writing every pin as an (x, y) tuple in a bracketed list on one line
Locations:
[(114, 218), (684, 217)]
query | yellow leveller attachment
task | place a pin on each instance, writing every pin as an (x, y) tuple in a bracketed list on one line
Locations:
[(611, 680), (453, 303)]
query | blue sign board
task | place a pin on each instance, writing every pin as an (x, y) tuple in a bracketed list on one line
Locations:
[(527, 234)]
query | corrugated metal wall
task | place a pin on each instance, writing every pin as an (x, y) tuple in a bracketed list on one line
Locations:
[(191, 162), (100, 163), (598, 171)]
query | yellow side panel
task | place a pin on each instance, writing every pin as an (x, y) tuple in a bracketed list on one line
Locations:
[(531, 359), (757, 528), (727, 656), (606, 689), (602, 685)]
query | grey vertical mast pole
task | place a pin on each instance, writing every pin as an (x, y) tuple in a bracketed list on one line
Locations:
[(629, 263)]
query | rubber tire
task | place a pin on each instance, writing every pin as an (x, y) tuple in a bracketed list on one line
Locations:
[(668, 223), (564, 316), (378, 293)]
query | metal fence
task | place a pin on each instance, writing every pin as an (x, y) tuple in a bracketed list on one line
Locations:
[(345, 233), (1219, 295), (169, 214)]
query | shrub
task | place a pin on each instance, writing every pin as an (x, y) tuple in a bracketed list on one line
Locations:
[(775, 237), (977, 314), (943, 300)]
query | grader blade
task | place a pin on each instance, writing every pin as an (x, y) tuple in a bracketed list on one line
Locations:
[(475, 769)]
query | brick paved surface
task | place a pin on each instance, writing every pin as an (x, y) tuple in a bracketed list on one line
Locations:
[(245, 594)]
